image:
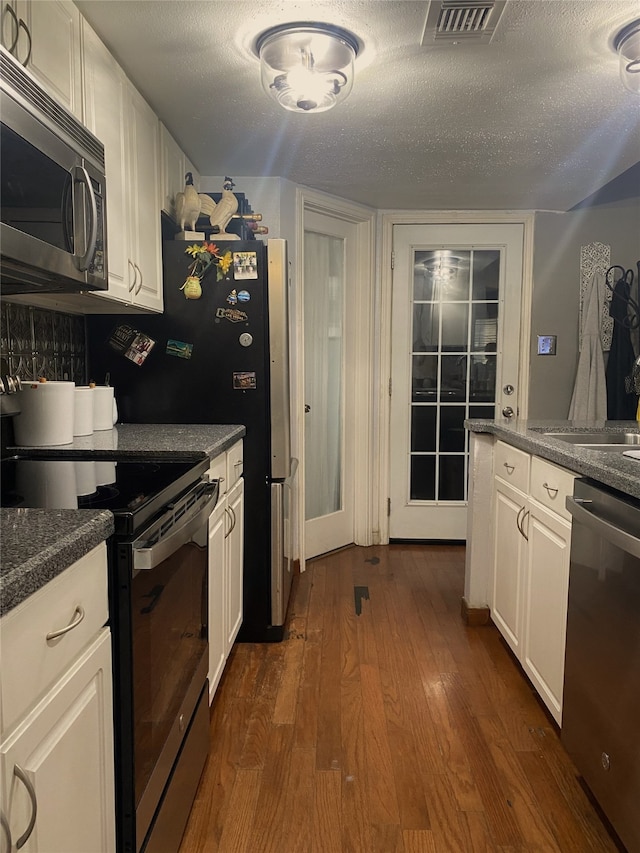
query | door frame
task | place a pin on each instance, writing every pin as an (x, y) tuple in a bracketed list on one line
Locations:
[(364, 218), (386, 223)]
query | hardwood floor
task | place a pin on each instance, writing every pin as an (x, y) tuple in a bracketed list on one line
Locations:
[(383, 724)]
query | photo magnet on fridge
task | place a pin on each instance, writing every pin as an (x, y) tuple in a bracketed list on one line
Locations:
[(245, 265), (130, 343), (179, 348), (244, 380)]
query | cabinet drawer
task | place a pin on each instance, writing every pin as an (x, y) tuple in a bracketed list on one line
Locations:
[(30, 662), (512, 465), (550, 485), (218, 471), (235, 463)]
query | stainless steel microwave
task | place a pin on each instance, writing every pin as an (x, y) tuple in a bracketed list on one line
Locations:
[(52, 196)]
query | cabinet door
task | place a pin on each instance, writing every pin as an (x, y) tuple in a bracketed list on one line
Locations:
[(545, 616), (54, 29), (104, 100), (235, 554), (218, 525), (144, 225), (64, 748), (172, 171), (509, 506)]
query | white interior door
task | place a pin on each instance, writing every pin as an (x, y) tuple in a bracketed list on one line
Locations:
[(328, 359), (455, 353)]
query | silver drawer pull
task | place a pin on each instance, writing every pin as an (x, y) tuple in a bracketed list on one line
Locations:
[(552, 492), (510, 468), (22, 776), (78, 616)]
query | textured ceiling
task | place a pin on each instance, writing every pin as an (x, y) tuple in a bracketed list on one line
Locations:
[(538, 118)]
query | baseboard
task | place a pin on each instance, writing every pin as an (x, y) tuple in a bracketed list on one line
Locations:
[(474, 616)]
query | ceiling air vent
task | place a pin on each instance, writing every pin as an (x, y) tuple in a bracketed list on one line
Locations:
[(457, 21)]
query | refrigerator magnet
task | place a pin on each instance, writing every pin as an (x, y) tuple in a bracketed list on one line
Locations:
[(245, 265), (232, 298), (243, 296), (244, 380), (131, 343), (232, 314), (179, 349)]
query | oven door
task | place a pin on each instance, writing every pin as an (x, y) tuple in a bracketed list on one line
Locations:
[(163, 652)]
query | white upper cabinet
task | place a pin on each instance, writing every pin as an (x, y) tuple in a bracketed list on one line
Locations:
[(174, 166), (145, 246), (128, 129), (44, 35), (104, 106)]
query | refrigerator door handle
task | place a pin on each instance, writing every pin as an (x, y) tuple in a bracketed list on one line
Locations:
[(277, 282)]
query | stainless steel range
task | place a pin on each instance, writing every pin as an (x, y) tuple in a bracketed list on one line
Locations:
[(158, 567)]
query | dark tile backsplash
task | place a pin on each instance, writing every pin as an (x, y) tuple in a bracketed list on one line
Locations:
[(37, 342)]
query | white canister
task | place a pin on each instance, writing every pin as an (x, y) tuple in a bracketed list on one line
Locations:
[(47, 413), (83, 410), (105, 473), (102, 407)]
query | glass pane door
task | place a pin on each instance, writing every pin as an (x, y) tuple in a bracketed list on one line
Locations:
[(453, 373)]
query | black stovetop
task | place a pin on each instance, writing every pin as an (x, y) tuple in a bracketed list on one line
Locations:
[(133, 489)]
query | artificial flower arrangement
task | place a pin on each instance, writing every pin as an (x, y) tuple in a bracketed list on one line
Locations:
[(204, 256)]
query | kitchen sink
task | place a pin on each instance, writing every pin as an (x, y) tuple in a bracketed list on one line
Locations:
[(599, 440)]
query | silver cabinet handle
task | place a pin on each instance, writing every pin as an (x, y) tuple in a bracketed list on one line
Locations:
[(510, 468), (232, 518), (9, 11), (6, 830), (139, 287), (507, 412), (23, 26), (78, 616), (552, 491), (22, 776), (237, 464), (520, 522), (132, 284)]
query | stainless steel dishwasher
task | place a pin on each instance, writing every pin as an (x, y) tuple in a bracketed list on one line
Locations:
[(601, 707)]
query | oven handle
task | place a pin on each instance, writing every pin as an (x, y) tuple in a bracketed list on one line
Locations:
[(149, 558), (620, 538)]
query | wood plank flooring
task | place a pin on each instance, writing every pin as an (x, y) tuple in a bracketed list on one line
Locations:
[(383, 724)]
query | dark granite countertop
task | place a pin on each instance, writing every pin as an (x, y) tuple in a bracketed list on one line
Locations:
[(610, 468), (39, 544), (176, 440)]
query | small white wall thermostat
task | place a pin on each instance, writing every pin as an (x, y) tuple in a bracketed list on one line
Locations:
[(547, 344), (245, 339)]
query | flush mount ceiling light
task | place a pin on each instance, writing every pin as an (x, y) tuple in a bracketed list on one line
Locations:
[(306, 67), (627, 45)]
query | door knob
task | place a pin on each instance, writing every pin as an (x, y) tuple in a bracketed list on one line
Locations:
[(307, 408), (507, 412)]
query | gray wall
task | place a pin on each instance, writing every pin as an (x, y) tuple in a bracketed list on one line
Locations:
[(556, 291)]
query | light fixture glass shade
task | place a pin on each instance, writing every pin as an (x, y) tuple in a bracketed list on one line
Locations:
[(627, 46), (307, 67)]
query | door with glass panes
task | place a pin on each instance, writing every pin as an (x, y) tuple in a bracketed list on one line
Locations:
[(455, 355)]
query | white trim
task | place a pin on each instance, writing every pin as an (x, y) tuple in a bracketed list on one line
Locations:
[(366, 415), (386, 221)]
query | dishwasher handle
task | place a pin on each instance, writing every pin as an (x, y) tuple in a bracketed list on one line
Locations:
[(615, 535)]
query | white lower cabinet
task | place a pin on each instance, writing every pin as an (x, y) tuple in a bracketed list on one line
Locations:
[(56, 742), (226, 555), (532, 537), (57, 765), (545, 604)]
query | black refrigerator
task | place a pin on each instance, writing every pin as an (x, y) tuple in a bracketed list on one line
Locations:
[(219, 357)]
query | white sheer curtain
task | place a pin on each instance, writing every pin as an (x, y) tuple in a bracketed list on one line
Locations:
[(323, 324)]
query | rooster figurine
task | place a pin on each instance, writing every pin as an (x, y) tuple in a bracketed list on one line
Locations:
[(220, 214), (188, 205)]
